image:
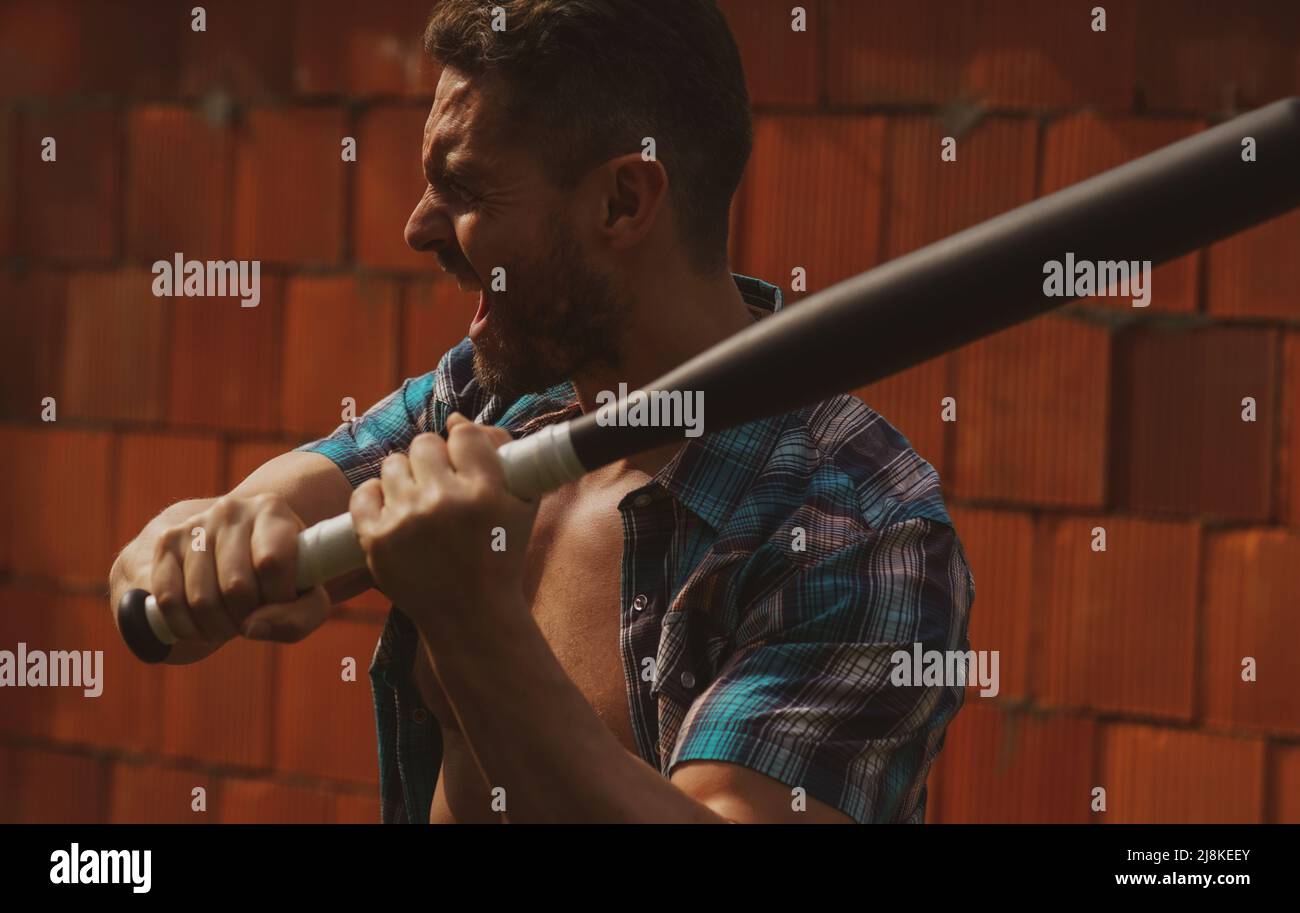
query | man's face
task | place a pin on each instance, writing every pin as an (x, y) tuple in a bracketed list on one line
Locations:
[(546, 310)]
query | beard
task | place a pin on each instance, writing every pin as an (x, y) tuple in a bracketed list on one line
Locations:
[(559, 318)]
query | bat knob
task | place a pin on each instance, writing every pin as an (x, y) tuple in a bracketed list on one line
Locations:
[(133, 623)]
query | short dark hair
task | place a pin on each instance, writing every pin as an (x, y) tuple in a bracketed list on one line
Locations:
[(589, 79)]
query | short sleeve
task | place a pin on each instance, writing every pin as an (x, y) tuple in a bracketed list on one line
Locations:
[(809, 699), (358, 447)]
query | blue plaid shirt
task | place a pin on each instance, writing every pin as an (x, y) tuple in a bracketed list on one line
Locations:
[(737, 644)]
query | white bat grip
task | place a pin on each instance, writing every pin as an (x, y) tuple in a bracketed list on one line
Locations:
[(533, 466)]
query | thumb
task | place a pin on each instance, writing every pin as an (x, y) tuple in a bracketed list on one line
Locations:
[(289, 622)]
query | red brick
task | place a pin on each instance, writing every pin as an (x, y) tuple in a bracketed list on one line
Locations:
[(289, 186), (1117, 629), (1080, 146), (246, 456), (1031, 414), (219, 710), (340, 339), (907, 51), (389, 184), (1180, 445), (344, 48), (224, 361), (1286, 785), (264, 802), (324, 725), (114, 364), (127, 713), (351, 808), (179, 184), (1256, 273), (912, 401), (8, 242), (811, 198), (781, 65), (55, 48), (999, 550), (68, 208), (929, 198), (131, 30), (57, 510), (26, 616), (50, 787), (435, 319), (1251, 591), (244, 50), (154, 794), (1001, 766), (41, 45), (1205, 56), (1015, 53), (31, 341), (1288, 494), (1029, 54), (1168, 776), (155, 471)]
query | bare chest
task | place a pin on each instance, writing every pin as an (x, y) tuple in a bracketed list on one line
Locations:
[(572, 583)]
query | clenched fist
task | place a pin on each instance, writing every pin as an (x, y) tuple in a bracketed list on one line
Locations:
[(429, 523)]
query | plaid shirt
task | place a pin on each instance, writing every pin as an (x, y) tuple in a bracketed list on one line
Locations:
[(737, 645)]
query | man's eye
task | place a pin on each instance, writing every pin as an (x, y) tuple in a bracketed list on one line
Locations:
[(458, 188)]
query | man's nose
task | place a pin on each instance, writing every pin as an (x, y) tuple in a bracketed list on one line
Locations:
[(427, 228)]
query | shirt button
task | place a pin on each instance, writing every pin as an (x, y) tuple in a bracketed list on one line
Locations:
[(419, 716), (641, 500), (640, 603), (688, 680)]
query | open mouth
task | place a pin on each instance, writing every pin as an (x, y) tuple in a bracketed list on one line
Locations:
[(481, 315), (470, 283)]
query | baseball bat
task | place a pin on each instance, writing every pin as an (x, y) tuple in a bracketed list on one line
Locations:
[(967, 286)]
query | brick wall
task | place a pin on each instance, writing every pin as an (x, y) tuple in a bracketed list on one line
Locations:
[(1119, 669)]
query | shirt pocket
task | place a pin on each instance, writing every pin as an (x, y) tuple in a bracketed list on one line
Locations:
[(687, 658)]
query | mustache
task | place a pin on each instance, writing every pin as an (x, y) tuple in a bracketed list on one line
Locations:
[(454, 265)]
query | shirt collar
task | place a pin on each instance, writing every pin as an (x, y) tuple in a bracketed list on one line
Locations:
[(711, 473)]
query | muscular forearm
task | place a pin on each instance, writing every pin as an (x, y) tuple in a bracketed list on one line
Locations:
[(533, 733)]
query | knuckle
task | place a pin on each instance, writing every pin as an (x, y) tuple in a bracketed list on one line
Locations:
[(268, 502), (239, 588), (270, 564)]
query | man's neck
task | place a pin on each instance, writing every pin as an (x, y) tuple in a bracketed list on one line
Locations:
[(673, 320)]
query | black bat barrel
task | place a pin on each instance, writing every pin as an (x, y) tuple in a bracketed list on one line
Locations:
[(981, 280)]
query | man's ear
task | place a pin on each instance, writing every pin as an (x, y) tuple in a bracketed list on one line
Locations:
[(636, 190)]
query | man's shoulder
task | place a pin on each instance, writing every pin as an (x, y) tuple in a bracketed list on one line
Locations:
[(844, 465)]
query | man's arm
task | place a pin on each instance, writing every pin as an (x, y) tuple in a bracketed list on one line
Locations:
[(533, 733), (808, 704), (302, 485)]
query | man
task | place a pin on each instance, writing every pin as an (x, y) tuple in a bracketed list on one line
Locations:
[(698, 634)]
